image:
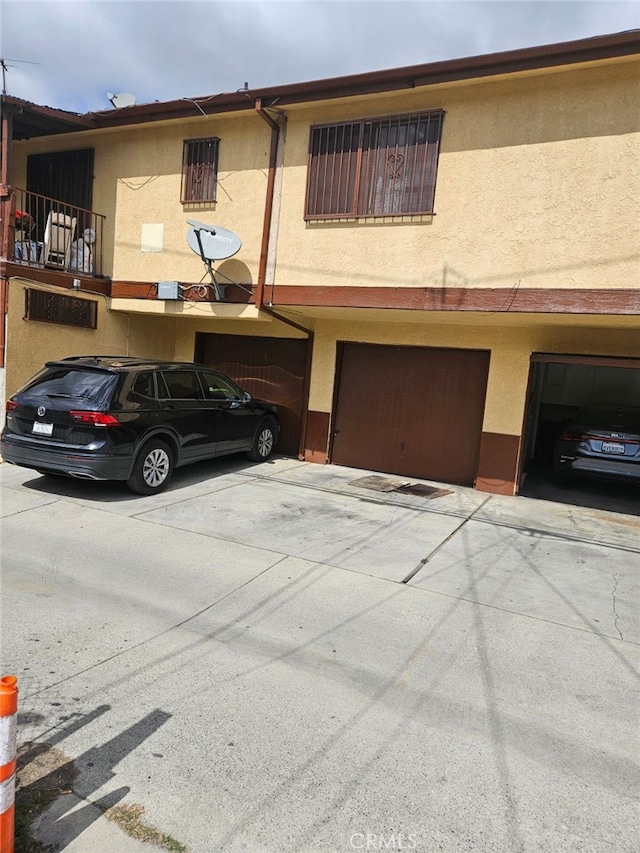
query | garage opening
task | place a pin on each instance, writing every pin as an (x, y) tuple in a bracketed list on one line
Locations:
[(559, 386), (414, 411), (272, 369)]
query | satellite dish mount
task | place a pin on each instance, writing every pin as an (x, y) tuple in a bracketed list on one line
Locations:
[(124, 99), (213, 243)]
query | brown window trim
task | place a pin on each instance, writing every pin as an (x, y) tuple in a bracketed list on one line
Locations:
[(47, 307), (377, 167), (200, 170)]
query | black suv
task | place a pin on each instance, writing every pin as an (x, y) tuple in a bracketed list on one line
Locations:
[(111, 418)]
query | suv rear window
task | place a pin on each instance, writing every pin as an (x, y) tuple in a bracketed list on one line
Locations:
[(92, 388)]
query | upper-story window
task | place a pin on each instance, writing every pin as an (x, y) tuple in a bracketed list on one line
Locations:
[(374, 167), (199, 170)]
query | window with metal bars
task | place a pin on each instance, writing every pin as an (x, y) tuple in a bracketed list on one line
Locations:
[(374, 167), (199, 170), (56, 308)]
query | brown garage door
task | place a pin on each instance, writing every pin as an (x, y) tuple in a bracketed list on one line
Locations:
[(272, 369), (413, 411)]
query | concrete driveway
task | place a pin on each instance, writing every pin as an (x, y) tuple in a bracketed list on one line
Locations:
[(291, 657)]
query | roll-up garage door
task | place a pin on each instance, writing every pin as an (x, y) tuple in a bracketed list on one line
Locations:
[(412, 411), (271, 369)]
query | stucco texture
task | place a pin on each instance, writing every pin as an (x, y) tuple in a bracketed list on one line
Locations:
[(535, 176), (138, 174), (31, 343)]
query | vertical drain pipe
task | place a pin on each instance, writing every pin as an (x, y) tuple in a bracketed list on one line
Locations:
[(267, 233), (268, 205)]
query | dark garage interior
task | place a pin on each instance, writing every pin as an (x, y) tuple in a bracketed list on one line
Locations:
[(558, 387)]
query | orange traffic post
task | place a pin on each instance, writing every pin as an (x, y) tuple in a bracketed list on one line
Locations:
[(8, 741)]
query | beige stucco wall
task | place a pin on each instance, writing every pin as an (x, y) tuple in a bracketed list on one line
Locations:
[(510, 353), (138, 174), (31, 343), (537, 186), (538, 182)]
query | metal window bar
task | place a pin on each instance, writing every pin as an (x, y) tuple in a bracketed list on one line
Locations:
[(199, 170), (332, 171), (374, 167), (50, 307)]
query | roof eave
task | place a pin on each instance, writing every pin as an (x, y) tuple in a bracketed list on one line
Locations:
[(594, 49), (374, 82)]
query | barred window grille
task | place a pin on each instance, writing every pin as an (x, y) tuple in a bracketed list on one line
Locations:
[(199, 170), (57, 308), (374, 167)]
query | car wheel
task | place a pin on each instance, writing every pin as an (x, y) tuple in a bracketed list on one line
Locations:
[(152, 469), (264, 442)]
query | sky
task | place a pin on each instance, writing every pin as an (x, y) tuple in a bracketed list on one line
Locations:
[(69, 55)]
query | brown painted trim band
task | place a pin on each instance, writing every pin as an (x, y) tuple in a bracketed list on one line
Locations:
[(40, 275), (149, 290), (495, 300)]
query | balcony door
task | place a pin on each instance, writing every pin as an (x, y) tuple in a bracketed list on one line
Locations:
[(66, 177)]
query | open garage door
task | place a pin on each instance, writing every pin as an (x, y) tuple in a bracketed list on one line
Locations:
[(271, 369), (560, 385), (414, 411)]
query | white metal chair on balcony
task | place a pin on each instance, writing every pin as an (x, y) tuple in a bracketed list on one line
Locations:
[(58, 236)]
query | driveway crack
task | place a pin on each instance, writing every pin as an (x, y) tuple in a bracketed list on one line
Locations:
[(616, 617), (426, 559)]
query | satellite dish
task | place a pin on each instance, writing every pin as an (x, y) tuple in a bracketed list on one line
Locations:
[(211, 242), (124, 99)]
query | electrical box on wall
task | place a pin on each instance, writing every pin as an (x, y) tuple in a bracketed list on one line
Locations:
[(169, 290)]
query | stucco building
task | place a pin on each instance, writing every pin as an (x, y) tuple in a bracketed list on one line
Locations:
[(438, 262)]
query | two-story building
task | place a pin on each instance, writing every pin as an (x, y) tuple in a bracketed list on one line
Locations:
[(427, 267)]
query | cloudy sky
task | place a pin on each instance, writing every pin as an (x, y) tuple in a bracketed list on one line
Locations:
[(180, 48)]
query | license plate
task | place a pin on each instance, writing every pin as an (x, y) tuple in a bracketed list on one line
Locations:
[(41, 428), (612, 447)]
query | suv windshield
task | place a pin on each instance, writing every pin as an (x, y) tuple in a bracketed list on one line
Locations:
[(92, 387)]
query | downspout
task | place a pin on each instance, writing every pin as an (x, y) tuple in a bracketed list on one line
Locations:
[(6, 193), (268, 234), (268, 205), (7, 229)]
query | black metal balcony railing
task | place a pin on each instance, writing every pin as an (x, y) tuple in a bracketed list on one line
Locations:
[(53, 235)]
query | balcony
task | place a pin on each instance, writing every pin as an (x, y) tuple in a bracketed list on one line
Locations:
[(46, 234)]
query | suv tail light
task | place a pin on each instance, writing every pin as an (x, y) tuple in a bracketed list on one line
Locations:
[(10, 405), (95, 418)]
